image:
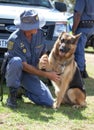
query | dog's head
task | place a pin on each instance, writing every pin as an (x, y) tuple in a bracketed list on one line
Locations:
[(65, 45)]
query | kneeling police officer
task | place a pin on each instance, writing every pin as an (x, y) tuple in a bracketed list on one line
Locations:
[(26, 47)]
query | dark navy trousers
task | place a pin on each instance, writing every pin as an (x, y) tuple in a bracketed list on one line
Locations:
[(79, 54), (36, 90)]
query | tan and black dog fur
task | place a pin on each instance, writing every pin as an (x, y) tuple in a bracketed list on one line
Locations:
[(70, 89)]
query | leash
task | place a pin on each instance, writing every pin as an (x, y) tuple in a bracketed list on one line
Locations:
[(1, 88), (2, 73)]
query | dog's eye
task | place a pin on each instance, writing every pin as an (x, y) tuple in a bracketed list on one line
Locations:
[(62, 40), (68, 42)]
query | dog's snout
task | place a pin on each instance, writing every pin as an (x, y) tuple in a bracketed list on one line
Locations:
[(64, 49)]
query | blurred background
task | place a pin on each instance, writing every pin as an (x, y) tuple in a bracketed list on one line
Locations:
[(69, 3)]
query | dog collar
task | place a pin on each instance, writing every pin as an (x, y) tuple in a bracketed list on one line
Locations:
[(64, 65)]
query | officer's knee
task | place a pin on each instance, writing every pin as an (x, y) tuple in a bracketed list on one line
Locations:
[(16, 62)]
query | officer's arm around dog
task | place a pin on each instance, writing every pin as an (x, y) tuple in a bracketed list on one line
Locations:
[(32, 70)]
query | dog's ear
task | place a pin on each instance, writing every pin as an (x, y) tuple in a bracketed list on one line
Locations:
[(77, 37), (61, 35)]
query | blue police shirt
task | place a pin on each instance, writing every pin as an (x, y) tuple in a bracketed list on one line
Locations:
[(86, 9), (19, 46)]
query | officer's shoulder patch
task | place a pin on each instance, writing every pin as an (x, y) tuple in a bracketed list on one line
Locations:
[(24, 50), (10, 45)]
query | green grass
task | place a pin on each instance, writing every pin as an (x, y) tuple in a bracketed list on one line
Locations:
[(29, 116), (89, 50)]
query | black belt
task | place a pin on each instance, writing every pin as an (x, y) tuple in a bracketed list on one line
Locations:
[(86, 24)]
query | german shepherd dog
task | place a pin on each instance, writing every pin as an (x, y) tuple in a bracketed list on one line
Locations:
[(70, 89)]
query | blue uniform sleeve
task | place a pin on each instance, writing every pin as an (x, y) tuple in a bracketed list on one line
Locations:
[(20, 51), (14, 49), (79, 6)]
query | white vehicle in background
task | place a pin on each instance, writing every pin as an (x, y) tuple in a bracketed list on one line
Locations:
[(55, 16)]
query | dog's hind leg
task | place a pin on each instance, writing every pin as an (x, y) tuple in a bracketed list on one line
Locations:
[(76, 97)]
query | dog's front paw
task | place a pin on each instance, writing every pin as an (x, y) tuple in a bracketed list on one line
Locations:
[(55, 105), (40, 65), (43, 62)]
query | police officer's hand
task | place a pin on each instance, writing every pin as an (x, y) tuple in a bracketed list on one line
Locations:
[(43, 62), (53, 76)]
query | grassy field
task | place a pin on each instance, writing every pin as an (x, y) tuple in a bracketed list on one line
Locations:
[(29, 116)]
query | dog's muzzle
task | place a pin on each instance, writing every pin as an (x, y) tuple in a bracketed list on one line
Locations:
[(64, 49)]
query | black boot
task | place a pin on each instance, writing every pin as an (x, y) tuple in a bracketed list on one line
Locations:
[(20, 92), (12, 97), (84, 73)]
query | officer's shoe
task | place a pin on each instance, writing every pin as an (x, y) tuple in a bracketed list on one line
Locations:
[(11, 103), (84, 74), (20, 92), (12, 99)]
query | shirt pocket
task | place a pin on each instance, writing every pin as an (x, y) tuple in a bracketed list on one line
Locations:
[(38, 50)]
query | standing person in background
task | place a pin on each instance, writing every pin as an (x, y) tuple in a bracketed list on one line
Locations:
[(83, 22), (26, 48)]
